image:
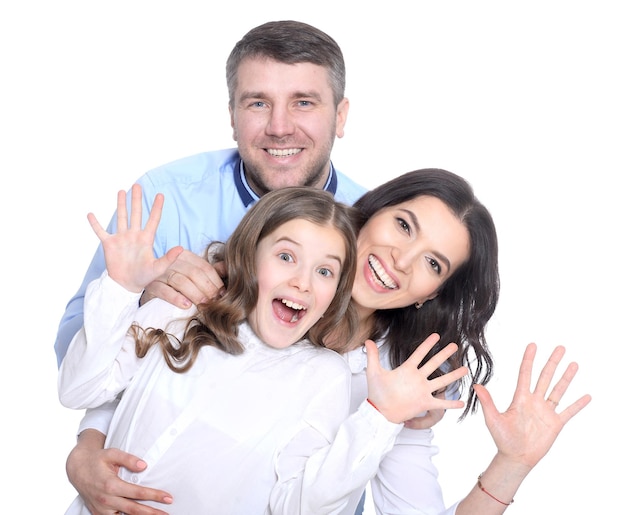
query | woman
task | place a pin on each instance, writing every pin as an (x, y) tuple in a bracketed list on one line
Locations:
[(436, 273)]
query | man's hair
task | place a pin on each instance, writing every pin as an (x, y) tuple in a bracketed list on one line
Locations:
[(289, 42)]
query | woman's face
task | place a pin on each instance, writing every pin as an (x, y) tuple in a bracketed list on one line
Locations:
[(406, 252)]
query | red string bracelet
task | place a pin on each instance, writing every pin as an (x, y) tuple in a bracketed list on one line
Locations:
[(480, 485), (373, 405)]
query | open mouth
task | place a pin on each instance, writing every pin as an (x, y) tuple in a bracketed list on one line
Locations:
[(283, 152), (288, 310), (379, 274)]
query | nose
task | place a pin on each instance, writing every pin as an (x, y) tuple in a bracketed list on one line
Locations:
[(301, 281), (404, 258), (280, 123)]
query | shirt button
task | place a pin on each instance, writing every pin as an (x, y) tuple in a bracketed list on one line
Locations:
[(134, 478)]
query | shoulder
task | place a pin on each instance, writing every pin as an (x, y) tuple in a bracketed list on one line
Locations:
[(198, 168), (161, 314), (348, 190), (323, 359)]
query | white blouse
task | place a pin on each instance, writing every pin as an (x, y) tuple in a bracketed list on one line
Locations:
[(281, 440)]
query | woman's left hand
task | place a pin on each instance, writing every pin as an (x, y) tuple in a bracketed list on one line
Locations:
[(525, 432)]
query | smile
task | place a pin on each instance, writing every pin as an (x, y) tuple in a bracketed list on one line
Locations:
[(288, 310), (380, 275), (283, 152)]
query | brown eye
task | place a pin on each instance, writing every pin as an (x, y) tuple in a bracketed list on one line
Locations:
[(403, 225), (434, 265)]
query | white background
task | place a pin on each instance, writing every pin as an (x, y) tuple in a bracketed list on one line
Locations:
[(524, 99)]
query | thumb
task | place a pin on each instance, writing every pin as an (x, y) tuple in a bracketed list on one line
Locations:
[(172, 254), (373, 359), (486, 402)]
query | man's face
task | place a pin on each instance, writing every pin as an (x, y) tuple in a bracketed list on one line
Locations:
[(285, 122)]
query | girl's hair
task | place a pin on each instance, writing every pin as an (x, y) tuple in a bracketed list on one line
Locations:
[(217, 321), (466, 301)]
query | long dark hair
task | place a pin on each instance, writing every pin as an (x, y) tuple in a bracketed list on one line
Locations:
[(217, 321), (467, 300)]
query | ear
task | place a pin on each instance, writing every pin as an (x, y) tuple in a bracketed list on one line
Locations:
[(342, 117), (433, 296), (232, 122)]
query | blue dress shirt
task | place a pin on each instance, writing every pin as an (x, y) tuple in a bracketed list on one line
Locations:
[(206, 195)]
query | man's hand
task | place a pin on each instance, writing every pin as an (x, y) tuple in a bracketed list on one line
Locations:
[(190, 279), (93, 470)]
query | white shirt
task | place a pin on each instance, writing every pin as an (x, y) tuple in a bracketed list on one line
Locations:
[(240, 434), (345, 453)]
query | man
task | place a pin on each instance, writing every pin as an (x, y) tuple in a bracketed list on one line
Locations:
[(286, 84)]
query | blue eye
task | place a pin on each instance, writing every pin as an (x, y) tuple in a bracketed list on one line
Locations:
[(326, 272), (284, 256)]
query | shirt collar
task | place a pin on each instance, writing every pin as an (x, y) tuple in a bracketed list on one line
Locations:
[(248, 196)]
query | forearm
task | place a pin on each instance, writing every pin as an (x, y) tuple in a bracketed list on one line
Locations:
[(500, 481), (407, 480), (101, 359), (335, 476)]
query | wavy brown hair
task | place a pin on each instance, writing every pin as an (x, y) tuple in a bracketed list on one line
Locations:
[(217, 321)]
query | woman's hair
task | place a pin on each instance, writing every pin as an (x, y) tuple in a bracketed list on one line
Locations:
[(467, 299), (217, 321), (289, 42)]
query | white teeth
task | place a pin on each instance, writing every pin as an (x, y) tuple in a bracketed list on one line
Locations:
[(380, 274), (283, 152), (292, 305)]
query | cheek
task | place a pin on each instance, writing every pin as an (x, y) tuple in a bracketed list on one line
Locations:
[(424, 287), (326, 295)]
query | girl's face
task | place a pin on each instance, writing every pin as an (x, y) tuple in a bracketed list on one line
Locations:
[(406, 252), (298, 270)]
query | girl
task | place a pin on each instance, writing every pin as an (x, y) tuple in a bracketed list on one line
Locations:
[(229, 395)]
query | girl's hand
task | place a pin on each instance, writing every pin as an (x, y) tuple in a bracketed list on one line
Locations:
[(128, 254)]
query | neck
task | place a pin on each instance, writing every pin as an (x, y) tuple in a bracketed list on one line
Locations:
[(365, 329)]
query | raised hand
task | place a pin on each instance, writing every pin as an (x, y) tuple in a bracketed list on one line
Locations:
[(525, 432), (404, 392), (128, 254)]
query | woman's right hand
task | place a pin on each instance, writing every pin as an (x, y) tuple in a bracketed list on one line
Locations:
[(92, 470)]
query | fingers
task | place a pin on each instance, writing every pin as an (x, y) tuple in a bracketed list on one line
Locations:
[(135, 207), (194, 277), (423, 348), (373, 359), (155, 213), (159, 289), (525, 370), (443, 381), (486, 402), (97, 228), (122, 216), (427, 421), (574, 408), (547, 372)]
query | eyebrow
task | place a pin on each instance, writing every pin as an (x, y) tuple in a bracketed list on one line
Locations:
[(245, 95), (415, 222), (329, 256)]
